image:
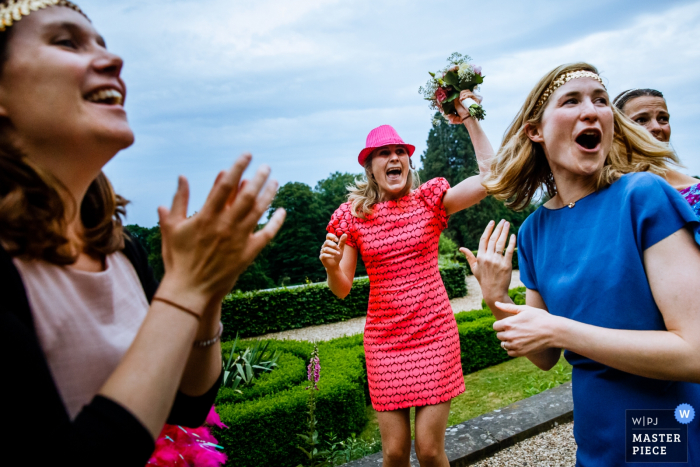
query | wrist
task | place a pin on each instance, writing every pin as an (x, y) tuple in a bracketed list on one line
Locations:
[(491, 297), (557, 332), (185, 294)]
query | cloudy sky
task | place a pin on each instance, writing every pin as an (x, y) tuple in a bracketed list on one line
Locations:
[(299, 83)]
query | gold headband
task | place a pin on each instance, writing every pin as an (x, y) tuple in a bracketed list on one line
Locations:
[(560, 81), (15, 10)]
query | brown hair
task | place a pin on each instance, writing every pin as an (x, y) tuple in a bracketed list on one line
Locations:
[(521, 168), (33, 216), (626, 96)]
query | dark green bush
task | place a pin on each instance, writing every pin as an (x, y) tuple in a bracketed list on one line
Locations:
[(290, 372), (469, 316), (517, 295), (479, 345), (256, 313), (454, 278), (263, 431), (262, 312)]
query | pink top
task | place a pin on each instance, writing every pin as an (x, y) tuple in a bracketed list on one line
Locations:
[(85, 321)]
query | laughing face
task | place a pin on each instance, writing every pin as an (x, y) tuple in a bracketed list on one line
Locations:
[(390, 168), (577, 128), (61, 89)]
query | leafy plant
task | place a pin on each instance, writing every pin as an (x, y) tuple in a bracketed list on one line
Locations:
[(341, 452), (249, 364), (315, 457), (559, 375)]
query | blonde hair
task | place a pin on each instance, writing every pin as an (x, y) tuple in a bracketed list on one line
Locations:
[(520, 168), (366, 193)]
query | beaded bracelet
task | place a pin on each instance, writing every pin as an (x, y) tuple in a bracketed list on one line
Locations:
[(212, 341)]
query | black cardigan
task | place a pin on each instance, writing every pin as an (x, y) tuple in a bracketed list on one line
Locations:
[(37, 426)]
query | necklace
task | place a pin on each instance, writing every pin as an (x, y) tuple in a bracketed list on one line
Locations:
[(573, 203)]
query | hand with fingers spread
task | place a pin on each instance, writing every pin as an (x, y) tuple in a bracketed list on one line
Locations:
[(493, 266), (332, 251), (204, 254), (527, 330)]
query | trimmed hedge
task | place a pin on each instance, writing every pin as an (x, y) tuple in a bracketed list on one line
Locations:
[(479, 345), (454, 280), (291, 371), (262, 312), (263, 431), (517, 295), (469, 316)]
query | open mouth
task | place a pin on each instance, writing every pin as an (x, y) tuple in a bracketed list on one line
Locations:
[(106, 96), (393, 173), (589, 139)]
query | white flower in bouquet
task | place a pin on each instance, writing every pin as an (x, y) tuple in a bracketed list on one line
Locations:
[(465, 71)]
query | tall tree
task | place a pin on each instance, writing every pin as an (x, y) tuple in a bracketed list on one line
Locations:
[(450, 154), (294, 251), (331, 193), (151, 240)]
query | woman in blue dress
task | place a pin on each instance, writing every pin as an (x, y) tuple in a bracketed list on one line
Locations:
[(611, 262)]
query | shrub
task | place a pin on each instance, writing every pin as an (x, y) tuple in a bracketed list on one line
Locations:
[(256, 313), (469, 316), (262, 431), (261, 312), (479, 345), (517, 295), (454, 279), (290, 372)]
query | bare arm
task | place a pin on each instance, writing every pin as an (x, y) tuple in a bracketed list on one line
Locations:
[(470, 191), (547, 358), (340, 261), (673, 271), (203, 255), (493, 269), (204, 363)]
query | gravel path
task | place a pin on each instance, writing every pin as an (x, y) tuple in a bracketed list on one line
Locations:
[(553, 448), (324, 332)]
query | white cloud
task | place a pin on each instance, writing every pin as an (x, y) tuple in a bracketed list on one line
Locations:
[(301, 82)]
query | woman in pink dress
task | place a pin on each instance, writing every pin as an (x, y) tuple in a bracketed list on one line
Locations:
[(411, 341)]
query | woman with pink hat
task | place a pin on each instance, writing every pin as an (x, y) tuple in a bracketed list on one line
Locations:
[(411, 341)]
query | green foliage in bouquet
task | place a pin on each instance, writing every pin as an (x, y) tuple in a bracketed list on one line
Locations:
[(444, 86)]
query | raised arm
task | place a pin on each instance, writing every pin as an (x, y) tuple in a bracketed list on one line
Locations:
[(493, 268), (203, 254), (673, 271), (469, 191), (340, 261)]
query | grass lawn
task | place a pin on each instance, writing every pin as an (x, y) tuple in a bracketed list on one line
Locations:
[(490, 389)]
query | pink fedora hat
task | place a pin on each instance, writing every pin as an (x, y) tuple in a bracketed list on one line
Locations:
[(382, 136)]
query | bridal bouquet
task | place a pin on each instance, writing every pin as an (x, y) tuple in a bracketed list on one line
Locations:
[(444, 86)]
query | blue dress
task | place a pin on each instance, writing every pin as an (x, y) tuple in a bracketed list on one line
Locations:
[(587, 264)]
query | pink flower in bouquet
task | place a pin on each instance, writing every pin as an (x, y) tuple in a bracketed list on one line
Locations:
[(440, 95), (477, 70)]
